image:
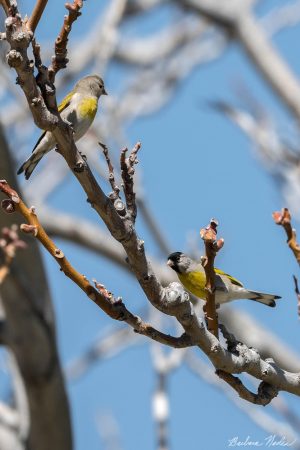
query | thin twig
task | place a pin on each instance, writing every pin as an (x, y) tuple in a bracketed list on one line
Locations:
[(60, 60), (6, 5), (283, 218), (153, 225), (36, 50), (112, 306), (36, 14), (209, 235), (127, 172), (111, 176)]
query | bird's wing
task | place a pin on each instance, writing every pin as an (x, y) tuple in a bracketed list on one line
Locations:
[(232, 279), (62, 106), (39, 140), (65, 102)]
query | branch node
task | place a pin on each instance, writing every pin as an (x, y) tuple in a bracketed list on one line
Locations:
[(29, 229), (58, 253), (8, 206), (120, 207), (14, 58)]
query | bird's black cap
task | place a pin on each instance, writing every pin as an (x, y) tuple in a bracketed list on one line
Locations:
[(173, 260)]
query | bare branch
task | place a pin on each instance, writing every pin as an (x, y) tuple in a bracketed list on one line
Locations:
[(116, 190), (265, 393), (92, 236), (154, 227), (127, 172), (248, 329), (260, 417), (212, 246), (36, 14), (115, 308), (6, 5), (174, 302), (283, 218), (59, 61), (240, 22)]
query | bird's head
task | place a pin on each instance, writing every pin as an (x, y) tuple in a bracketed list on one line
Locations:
[(179, 262), (93, 84)]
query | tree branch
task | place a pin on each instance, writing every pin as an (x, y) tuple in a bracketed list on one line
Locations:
[(265, 392), (115, 308), (36, 14), (176, 302), (6, 5), (59, 60), (239, 21), (212, 246), (92, 237), (127, 172), (283, 218)]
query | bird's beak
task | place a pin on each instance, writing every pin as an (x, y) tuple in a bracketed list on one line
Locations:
[(170, 263), (104, 92)]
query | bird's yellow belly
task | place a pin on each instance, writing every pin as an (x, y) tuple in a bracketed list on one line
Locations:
[(194, 282), (88, 107)]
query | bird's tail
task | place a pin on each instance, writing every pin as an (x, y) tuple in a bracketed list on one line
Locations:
[(29, 165), (266, 299)]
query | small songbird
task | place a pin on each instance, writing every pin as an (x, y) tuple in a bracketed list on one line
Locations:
[(78, 109), (192, 276)]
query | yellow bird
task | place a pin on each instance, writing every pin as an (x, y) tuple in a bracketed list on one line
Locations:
[(192, 276), (78, 108)]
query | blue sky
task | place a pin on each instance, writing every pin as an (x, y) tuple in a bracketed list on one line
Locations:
[(206, 169)]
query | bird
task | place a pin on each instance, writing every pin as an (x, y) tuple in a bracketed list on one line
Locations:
[(227, 288), (78, 109)]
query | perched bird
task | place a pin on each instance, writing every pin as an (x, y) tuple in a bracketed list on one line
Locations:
[(192, 276), (78, 109)]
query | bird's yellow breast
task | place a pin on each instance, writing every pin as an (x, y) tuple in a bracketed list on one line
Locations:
[(88, 107), (194, 282)]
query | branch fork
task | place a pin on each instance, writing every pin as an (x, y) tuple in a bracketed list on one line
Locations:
[(103, 298), (127, 174)]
